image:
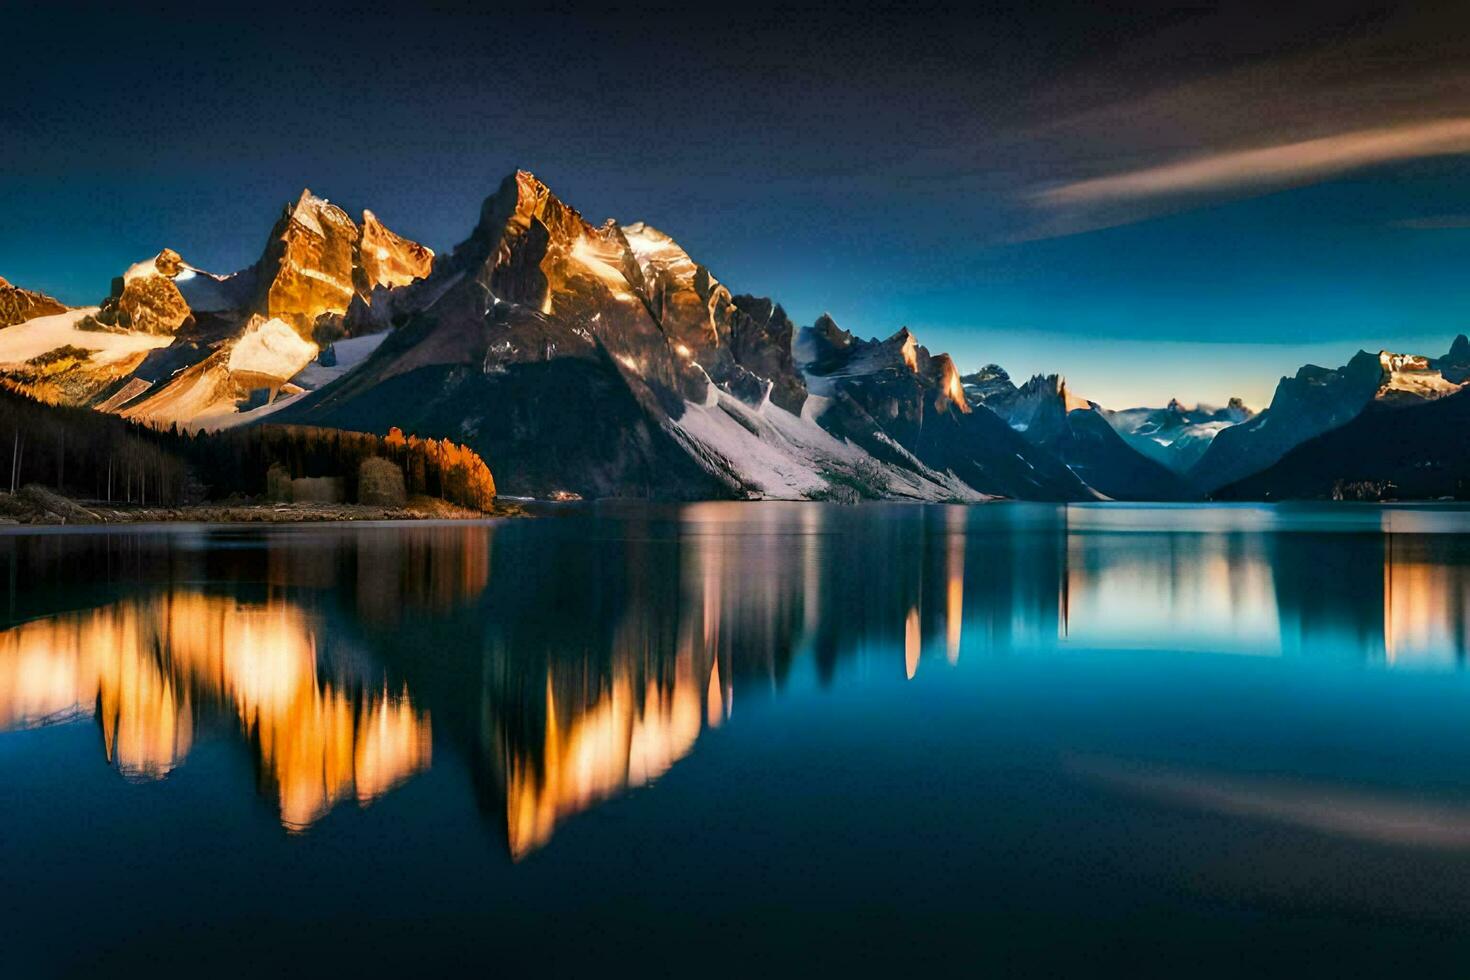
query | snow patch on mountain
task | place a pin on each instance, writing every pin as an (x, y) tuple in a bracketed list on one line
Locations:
[(148, 267), (605, 263), (271, 349), (778, 455), (347, 354), (41, 334), (653, 250), (204, 292)]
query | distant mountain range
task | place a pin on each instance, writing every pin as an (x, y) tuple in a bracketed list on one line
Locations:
[(1175, 435), (603, 360)]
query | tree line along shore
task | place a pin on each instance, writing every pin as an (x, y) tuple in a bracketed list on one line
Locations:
[(74, 465)]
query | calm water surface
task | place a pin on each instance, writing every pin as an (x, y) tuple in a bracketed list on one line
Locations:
[(722, 737)]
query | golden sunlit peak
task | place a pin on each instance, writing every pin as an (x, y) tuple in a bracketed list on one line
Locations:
[(910, 351), (1070, 400), (956, 392), (683, 351), (952, 389)]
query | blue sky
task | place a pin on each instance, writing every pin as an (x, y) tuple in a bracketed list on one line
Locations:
[(1154, 203)]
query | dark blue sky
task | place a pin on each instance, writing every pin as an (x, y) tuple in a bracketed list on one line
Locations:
[(1153, 203)]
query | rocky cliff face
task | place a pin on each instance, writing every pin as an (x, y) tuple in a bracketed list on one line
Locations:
[(308, 266), (533, 341), (146, 299), (1039, 408), (385, 259), (318, 260), (898, 402), (1410, 378), (761, 337), (990, 382), (18, 305)]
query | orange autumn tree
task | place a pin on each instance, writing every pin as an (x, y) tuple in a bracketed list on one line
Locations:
[(446, 469), (96, 456), (239, 458)]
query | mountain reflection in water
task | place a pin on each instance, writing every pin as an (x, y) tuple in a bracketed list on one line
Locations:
[(563, 663), (147, 667)]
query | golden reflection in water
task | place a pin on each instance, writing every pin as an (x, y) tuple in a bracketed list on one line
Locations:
[(911, 643), (1425, 606), (624, 705), (145, 665), (715, 707), (954, 575), (1210, 596), (626, 738), (646, 714), (147, 721)]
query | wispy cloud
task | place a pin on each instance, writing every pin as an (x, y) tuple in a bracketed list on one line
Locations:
[(1270, 166)]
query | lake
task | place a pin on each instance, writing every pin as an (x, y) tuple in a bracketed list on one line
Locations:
[(725, 737)]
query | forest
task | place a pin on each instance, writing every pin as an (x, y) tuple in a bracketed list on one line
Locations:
[(91, 455)]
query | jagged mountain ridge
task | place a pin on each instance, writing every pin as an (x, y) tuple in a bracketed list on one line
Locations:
[(1317, 400), (18, 305), (903, 405), (318, 261), (1417, 451), (603, 360), (1049, 415), (172, 343)]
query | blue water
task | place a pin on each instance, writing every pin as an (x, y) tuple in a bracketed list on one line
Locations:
[(718, 738)]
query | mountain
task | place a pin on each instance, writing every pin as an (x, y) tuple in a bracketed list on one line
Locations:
[(1318, 400), (161, 295), (1174, 435), (318, 260), (18, 305), (1455, 365), (605, 361), (903, 405), (1048, 415), (1388, 451), (172, 343)]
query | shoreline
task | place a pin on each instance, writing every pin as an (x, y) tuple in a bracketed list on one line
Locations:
[(38, 506)]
